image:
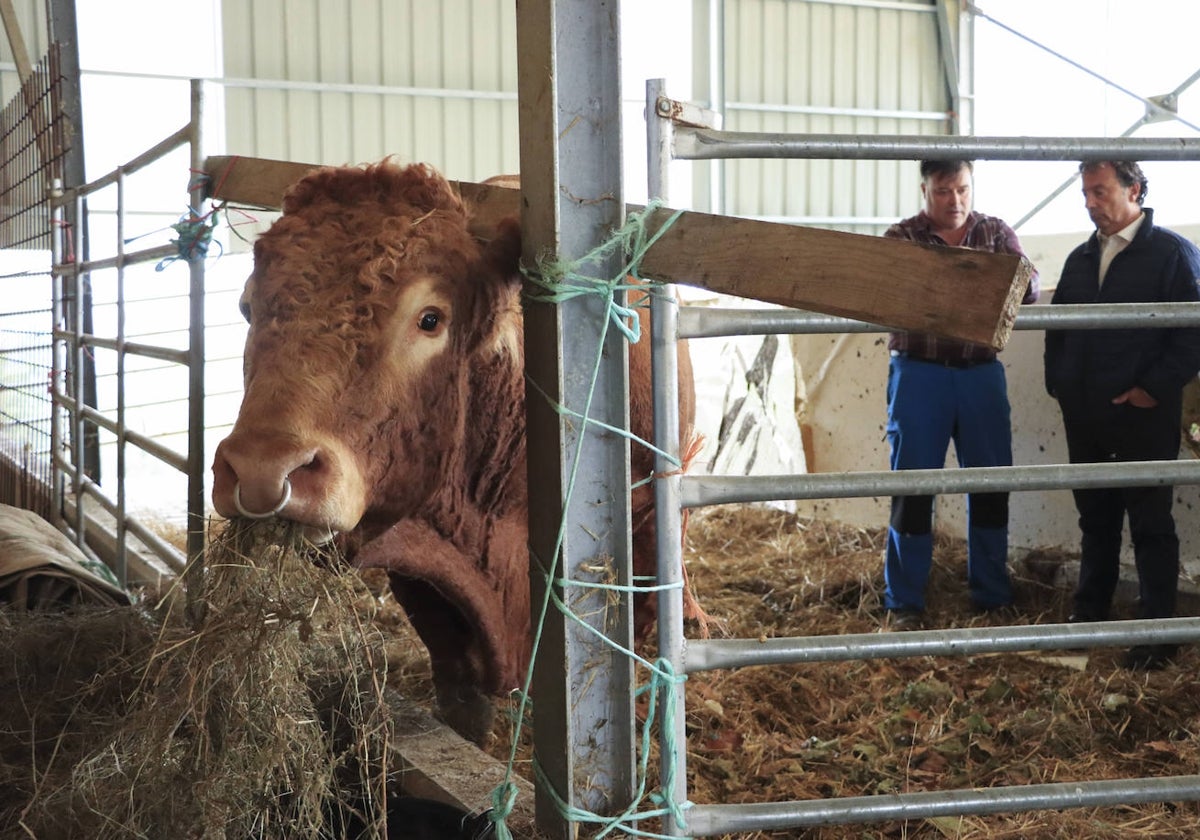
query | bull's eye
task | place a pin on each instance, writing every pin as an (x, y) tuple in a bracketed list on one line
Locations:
[(244, 306), (429, 321)]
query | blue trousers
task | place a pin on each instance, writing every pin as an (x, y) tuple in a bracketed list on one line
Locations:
[(928, 406)]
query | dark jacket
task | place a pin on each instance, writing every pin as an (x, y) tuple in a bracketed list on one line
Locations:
[(1085, 369)]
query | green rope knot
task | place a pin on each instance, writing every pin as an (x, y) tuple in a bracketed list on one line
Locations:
[(563, 280)]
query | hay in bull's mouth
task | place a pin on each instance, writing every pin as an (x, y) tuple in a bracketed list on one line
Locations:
[(261, 719)]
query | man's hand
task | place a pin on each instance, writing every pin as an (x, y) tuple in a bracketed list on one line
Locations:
[(1136, 397)]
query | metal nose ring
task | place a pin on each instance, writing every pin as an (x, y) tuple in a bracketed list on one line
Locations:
[(237, 502)]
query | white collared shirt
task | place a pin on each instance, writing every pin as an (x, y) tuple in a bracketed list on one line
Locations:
[(1110, 246)]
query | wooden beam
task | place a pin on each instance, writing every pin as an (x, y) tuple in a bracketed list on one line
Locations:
[(16, 40), (952, 292), (254, 182), (434, 762)]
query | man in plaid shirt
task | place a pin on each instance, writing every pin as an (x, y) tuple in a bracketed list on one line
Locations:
[(940, 390)]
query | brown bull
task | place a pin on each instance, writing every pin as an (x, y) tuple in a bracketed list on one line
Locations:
[(385, 401)]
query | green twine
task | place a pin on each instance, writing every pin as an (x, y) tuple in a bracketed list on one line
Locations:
[(193, 237), (560, 282), (661, 675), (566, 280)]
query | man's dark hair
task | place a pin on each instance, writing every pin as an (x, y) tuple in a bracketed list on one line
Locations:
[(944, 167), (1128, 173)]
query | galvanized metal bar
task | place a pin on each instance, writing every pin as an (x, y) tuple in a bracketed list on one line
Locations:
[(579, 510), (76, 372), (149, 445), (121, 568), (717, 101), (716, 654), (58, 356), (710, 820), (707, 144), (668, 513), (197, 469), (335, 87), (158, 252), (949, 52), (135, 348), (713, 322), (151, 155), (819, 111), (965, 114), (882, 5), (701, 491), (162, 549)]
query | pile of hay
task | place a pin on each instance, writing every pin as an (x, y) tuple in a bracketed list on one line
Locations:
[(263, 717)]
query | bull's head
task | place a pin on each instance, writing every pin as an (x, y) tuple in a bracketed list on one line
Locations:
[(371, 307)]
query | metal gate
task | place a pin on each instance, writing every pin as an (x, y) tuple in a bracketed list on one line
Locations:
[(675, 493), (146, 326)]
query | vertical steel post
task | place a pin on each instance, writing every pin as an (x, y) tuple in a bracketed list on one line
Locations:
[(77, 372), (664, 320), (122, 558), (579, 475), (57, 353), (196, 464)]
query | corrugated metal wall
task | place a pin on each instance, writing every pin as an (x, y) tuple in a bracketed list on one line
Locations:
[(432, 81), (831, 66), (350, 81)]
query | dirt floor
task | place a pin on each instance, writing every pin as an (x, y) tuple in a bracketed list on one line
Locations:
[(922, 724)]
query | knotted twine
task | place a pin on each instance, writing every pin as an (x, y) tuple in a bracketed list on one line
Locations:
[(561, 281)]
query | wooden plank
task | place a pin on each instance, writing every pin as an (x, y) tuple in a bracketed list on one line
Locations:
[(16, 40), (952, 292), (254, 182), (434, 762)]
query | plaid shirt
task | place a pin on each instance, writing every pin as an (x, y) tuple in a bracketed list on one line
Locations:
[(984, 233)]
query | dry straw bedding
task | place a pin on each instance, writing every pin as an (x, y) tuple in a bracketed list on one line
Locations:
[(238, 715), (920, 724)]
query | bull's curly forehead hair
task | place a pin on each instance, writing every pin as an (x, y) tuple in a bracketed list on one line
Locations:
[(1128, 173)]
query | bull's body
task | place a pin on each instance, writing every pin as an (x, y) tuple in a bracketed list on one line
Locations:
[(385, 401)]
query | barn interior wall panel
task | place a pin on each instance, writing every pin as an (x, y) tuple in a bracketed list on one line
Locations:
[(434, 82), (803, 66)]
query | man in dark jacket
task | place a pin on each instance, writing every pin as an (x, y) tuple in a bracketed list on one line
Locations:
[(1121, 392)]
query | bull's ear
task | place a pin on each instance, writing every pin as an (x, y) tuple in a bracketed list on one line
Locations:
[(503, 252)]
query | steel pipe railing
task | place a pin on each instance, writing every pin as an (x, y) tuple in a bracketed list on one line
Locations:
[(711, 144), (715, 654), (709, 820), (706, 490), (715, 322)]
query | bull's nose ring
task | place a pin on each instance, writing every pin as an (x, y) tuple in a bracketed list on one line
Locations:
[(237, 502)]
